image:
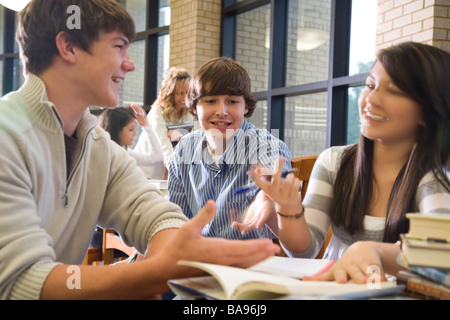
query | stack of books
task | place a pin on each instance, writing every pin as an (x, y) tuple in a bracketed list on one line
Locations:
[(426, 256)]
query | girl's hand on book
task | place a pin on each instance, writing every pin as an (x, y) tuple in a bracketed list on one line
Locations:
[(358, 263)]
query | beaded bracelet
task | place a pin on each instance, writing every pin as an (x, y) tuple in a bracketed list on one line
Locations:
[(297, 216)]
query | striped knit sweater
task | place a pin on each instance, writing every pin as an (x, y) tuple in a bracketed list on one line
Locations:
[(431, 197)]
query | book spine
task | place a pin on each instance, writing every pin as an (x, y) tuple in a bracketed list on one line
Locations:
[(438, 275), (419, 286)]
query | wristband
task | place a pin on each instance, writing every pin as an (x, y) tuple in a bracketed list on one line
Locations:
[(297, 216)]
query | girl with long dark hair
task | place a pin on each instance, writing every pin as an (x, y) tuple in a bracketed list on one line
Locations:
[(400, 165)]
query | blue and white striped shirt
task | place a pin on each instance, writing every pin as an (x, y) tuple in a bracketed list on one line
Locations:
[(195, 178)]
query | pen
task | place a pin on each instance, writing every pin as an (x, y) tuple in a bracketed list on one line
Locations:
[(252, 186), (133, 259)]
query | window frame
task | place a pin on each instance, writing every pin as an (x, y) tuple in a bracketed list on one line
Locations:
[(338, 75), (8, 55), (150, 36)]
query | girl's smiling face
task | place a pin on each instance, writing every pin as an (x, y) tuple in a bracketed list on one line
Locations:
[(386, 113), (179, 95), (127, 134)]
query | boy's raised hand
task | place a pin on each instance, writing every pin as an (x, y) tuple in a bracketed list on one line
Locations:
[(189, 244)]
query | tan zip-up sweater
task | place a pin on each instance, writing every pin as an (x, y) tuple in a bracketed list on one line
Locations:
[(47, 218)]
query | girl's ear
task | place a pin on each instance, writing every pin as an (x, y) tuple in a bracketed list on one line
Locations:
[(65, 47)]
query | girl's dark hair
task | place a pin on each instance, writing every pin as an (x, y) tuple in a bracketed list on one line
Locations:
[(422, 73), (113, 120), (41, 21), (221, 76)]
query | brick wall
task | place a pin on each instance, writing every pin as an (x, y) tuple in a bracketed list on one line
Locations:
[(426, 21), (195, 28), (194, 32)]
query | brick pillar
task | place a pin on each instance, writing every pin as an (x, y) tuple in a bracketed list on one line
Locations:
[(194, 32), (426, 21)]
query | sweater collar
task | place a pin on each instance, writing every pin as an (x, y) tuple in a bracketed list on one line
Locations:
[(34, 95)]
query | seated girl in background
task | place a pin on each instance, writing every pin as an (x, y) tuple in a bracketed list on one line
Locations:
[(401, 164), (168, 110), (120, 124)]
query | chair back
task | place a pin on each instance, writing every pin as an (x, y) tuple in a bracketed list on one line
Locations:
[(108, 253), (112, 242), (304, 166)]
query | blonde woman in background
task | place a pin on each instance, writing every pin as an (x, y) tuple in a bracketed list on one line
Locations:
[(169, 109)]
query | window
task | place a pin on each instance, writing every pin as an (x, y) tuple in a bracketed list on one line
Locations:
[(259, 116), (133, 86), (306, 124), (163, 59), (363, 36), (149, 51), (10, 65), (137, 9), (307, 62), (253, 44), (308, 41), (306, 66), (362, 56)]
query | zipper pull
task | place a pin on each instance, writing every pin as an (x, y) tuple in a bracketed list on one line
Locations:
[(66, 201)]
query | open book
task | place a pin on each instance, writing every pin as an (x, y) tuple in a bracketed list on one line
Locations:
[(229, 283)]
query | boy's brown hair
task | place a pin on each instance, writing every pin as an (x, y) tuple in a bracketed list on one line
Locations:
[(41, 21), (221, 76)]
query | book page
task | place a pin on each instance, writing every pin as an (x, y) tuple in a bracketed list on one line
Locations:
[(243, 283), (191, 288), (292, 267), (231, 278)]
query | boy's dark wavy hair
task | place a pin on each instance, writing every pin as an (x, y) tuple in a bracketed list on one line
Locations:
[(221, 76), (42, 20)]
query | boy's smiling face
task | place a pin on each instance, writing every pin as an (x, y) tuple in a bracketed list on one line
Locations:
[(220, 116), (103, 69)]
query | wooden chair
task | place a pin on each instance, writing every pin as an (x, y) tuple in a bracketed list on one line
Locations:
[(112, 242), (325, 243), (106, 255), (304, 166), (93, 256)]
